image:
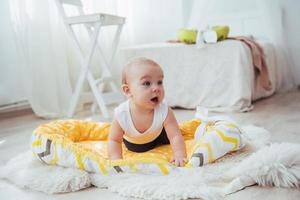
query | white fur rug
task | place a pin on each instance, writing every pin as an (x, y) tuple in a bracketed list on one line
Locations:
[(275, 164)]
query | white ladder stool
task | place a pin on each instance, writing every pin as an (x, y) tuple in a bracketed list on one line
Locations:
[(93, 23)]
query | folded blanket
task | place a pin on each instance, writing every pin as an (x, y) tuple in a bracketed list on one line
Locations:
[(259, 61)]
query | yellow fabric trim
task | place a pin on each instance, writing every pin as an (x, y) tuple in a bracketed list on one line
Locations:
[(130, 161), (227, 139), (77, 149), (79, 162), (208, 147), (142, 138), (36, 143), (188, 165), (163, 169), (133, 168), (102, 168), (233, 126)]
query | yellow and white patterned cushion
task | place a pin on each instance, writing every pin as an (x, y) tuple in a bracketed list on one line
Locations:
[(82, 144), (214, 139)]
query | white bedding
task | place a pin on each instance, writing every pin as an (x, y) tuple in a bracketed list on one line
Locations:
[(218, 76)]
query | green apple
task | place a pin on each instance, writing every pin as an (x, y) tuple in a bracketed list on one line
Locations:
[(222, 32), (188, 36)]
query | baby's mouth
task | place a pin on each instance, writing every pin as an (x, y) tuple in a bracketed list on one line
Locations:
[(154, 99)]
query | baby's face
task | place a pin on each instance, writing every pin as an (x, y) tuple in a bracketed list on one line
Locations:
[(145, 84)]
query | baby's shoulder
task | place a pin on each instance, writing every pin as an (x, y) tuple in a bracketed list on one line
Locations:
[(120, 112), (163, 107), (162, 111), (123, 107)]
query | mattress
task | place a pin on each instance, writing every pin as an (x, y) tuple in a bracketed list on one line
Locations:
[(217, 76)]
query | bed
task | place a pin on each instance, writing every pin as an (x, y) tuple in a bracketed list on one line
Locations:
[(217, 76)]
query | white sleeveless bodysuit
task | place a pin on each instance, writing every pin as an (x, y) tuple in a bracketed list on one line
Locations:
[(123, 116)]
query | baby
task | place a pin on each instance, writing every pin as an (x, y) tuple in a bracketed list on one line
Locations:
[(144, 121)]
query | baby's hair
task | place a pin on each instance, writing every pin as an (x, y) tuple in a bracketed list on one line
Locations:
[(135, 62)]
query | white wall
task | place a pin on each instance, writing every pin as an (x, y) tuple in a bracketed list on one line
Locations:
[(10, 78), (291, 9)]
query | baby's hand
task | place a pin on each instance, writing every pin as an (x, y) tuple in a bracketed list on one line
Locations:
[(179, 161)]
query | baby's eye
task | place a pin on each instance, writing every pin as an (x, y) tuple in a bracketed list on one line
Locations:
[(160, 82), (147, 83)]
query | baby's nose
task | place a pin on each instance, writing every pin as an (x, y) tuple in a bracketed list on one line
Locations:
[(155, 88)]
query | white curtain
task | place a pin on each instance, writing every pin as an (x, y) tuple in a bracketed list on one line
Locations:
[(50, 65), (274, 20), (146, 20), (42, 48)]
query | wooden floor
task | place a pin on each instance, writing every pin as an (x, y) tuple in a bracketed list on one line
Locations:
[(279, 114)]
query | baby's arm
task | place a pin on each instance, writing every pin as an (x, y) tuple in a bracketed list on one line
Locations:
[(115, 140), (176, 139)]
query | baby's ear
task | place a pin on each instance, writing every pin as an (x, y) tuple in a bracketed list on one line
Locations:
[(126, 90)]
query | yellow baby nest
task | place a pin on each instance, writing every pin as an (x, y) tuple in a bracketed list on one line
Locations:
[(82, 144)]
